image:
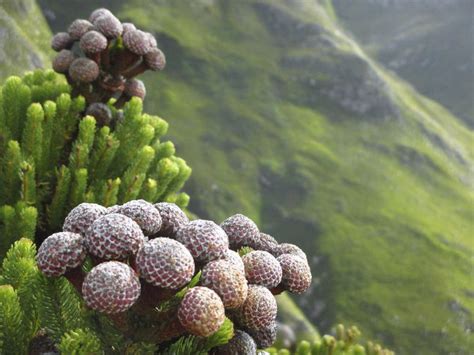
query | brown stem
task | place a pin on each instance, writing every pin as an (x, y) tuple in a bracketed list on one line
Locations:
[(69, 80), (151, 296), (112, 83), (173, 330), (277, 290), (136, 70), (96, 260), (96, 57), (199, 266), (85, 90), (109, 86), (133, 263), (77, 88), (105, 58), (122, 100), (123, 60), (76, 278), (120, 321), (166, 327)]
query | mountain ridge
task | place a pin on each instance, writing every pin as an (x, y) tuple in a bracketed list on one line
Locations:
[(428, 43)]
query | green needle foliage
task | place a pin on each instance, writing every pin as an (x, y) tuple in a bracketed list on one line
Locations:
[(53, 158), (346, 342), (80, 341), (12, 328), (29, 301), (19, 319), (197, 345)]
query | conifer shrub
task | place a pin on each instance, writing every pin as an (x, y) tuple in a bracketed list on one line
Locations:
[(53, 157), (38, 312), (80, 134), (106, 284)]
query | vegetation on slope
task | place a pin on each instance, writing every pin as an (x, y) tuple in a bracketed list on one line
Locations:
[(375, 174)]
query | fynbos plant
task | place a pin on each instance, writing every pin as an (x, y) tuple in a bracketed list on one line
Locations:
[(125, 245), (142, 276), (64, 144), (53, 157)]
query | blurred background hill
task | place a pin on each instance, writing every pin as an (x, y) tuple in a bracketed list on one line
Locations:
[(428, 43), (24, 37), (345, 143)]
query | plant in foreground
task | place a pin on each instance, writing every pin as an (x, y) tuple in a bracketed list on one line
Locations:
[(155, 289), (86, 140), (48, 314), (53, 158)]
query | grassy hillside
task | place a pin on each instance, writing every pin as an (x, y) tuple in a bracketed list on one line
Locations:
[(283, 117), (429, 43), (24, 37), (284, 120)]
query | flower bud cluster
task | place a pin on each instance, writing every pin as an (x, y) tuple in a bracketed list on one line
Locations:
[(101, 57), (139, 247)]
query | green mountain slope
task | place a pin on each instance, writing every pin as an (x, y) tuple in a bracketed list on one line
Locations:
[(429, 43), (283, 117), (290, 123), (24, 37)]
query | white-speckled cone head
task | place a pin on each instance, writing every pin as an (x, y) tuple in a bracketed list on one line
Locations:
[(111, 287), (165, 263), (60, 252)]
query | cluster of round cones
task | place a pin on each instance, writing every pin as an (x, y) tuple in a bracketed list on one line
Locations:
[(139, 248), (101, 57)]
